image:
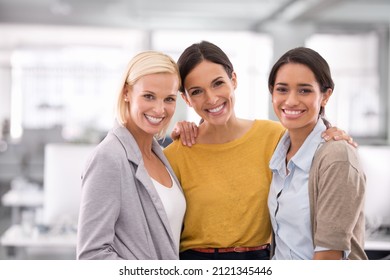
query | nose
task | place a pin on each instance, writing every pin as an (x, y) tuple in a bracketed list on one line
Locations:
[(292, 99), (159, 107), (211, 98)]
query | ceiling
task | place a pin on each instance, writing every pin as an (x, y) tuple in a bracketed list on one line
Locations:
[(193, 14)]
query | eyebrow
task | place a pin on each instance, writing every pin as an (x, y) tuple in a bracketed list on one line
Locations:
[(191, 88), (217, 78), (305, 85), (301, 85), (153, 93)]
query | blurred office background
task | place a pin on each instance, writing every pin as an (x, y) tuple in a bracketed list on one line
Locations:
[(60, 66)]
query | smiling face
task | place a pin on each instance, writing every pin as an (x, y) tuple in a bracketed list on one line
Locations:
[(297, 98), (152, 102), (210, 92)]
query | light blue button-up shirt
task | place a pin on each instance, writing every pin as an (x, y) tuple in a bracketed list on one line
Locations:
[(288, 199)]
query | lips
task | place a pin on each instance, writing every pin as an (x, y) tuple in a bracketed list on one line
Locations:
[(154, 120), (292, 112), (216, 110)]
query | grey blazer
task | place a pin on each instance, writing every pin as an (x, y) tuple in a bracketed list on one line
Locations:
[(121, 215)]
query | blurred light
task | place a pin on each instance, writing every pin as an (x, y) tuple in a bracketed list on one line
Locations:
[(3, 146), (59, 7)]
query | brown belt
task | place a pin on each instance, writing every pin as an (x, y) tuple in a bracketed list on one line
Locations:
[(230, 250)]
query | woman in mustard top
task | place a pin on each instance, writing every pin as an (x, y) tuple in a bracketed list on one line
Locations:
[(225, 176)]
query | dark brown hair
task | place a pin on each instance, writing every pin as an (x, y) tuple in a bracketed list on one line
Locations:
[(314, 61), (196, 53)]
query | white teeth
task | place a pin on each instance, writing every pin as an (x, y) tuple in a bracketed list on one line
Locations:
[(288, 112), (154, 119), (215, 110)]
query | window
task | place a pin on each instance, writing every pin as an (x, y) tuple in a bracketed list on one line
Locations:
[(67, 78), (71, 87), (355, 105)]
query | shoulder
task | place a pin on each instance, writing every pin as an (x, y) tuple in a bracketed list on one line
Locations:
[(173, 148), (109, 151), (337, 151), (110, 146), (267, 130), (176, 144), (271, 126)]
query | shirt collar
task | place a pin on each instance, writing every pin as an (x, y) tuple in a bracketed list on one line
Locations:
[(279, 157), (303, 158)]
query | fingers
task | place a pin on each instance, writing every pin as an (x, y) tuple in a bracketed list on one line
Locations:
[(189, 133), (175, 134), (330, 133), (352, 142), (338, 134), (323, 135), (186, 131), (335, 133)]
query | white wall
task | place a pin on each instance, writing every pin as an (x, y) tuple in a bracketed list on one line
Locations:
[(14, 37), (5, 86)]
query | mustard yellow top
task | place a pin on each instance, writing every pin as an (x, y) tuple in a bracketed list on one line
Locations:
[(226, 187)]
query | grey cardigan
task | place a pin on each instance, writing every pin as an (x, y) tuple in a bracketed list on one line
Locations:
[(121, 214), (336, 190), (336, 194)]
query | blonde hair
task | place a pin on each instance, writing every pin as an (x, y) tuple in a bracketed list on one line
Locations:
[(144, 63)]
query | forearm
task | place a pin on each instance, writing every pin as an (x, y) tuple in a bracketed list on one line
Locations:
[(328, 255)]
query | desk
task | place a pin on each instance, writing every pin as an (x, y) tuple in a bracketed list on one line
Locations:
[(18, 199), (23, 198), (15, 240), (23, 236), (378, 242)]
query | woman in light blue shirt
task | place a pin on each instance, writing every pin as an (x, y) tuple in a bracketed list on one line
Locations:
[(317, 190)]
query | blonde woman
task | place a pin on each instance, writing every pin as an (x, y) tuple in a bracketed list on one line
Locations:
[(132, 205)]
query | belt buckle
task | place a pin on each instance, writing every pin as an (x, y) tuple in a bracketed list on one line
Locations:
[(236, 250)]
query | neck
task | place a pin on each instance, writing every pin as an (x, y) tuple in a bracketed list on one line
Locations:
[(296, 143), (218, 134), (145, 147), (144, 141), (297, 138)]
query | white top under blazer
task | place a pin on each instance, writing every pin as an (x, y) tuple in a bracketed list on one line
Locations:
[(175, 205)]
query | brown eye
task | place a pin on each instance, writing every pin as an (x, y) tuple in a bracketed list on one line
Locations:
[(148, 96), (218, 83), (281, 90), (195, 92), (305, 91), (170, 99)]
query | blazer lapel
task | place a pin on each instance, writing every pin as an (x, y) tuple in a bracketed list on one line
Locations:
[(135, 158), (159, 152)]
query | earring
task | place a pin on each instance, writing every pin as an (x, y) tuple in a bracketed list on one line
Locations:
[(125, 99)]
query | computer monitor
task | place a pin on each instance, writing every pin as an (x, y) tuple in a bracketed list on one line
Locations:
[(376, 161), (63, 166)]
